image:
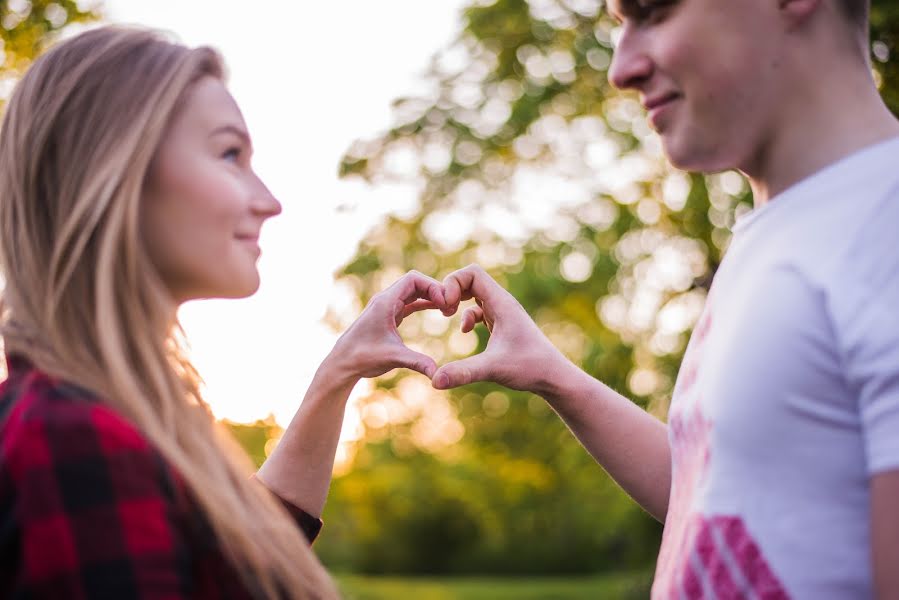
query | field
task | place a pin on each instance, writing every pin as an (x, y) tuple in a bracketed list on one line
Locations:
[(618, 586)]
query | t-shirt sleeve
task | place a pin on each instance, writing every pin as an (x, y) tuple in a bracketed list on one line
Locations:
[(94, 506), (865, 305)]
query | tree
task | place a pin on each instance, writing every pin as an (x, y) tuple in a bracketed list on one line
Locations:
[(614, 264), (28, 26)]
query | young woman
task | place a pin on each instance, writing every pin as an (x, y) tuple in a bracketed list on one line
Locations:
[(126, 189)]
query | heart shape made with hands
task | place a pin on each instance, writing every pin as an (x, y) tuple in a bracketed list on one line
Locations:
[(415, 292)]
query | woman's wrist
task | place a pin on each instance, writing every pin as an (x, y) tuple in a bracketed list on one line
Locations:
[(338, 369)]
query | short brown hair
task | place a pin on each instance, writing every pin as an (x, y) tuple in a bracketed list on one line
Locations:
[(857, 11)]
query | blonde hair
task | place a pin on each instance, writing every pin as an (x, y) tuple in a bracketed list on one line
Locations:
[(82, 300)]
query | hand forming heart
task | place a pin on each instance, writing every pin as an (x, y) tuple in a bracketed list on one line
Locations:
[(518, 355)]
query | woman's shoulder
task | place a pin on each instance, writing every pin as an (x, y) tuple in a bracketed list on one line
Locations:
[(44, 419)]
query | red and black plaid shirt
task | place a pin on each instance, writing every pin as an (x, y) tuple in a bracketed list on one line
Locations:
[(89, 509)]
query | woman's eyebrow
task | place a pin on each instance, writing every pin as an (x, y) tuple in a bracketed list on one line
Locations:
[(233, 129)]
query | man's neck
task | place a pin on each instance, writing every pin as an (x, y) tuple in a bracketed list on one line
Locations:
[(833, 119)]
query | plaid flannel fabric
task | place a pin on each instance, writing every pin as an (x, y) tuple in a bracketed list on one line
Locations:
[(89, 509)]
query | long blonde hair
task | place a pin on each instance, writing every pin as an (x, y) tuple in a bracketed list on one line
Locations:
[(84, 303)]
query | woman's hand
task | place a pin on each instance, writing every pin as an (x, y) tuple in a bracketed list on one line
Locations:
[(299, 469), (372, 345)]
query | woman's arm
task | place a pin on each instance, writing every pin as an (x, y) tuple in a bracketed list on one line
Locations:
[(299, 469)]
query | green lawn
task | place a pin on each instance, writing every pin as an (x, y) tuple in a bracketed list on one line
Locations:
[(629, 586)]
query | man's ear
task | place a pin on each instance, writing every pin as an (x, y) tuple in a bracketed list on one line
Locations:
[(797, 12)]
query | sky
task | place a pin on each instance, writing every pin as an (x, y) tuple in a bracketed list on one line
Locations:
[(310, 78)]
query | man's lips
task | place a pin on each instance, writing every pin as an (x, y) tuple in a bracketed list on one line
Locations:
[(657, 105), (658, 101)]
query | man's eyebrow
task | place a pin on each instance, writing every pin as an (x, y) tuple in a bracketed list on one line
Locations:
[(233, 129), (613, 8), (627, 9)]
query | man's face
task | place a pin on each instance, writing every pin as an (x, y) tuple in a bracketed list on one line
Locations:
[(708, 73)]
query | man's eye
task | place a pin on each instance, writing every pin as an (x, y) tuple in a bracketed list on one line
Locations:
[(655, 12)]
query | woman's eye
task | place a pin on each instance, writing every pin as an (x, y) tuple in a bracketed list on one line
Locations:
[(231, 154)]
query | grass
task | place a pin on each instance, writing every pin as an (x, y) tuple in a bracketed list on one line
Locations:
[(624, 586)]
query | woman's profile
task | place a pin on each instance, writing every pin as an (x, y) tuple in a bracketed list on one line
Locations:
[(126, 189)]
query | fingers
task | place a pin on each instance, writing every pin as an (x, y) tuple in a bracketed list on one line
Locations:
[(472, 281), (415, 307), (416, 361), (462, 372), (414, 286), (405, 310), (471, 317)]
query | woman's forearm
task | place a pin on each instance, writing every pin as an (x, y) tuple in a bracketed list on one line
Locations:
[(299, 469)]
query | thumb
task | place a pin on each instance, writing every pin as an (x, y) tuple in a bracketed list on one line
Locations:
[(462, 372), (416, 361)]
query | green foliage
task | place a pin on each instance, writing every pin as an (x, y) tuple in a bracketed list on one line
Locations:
[(614, 269), (27, 27), (623, 586), (255, 437), (885, 37)]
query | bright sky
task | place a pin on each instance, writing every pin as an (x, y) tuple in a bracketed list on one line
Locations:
[(310, 77)]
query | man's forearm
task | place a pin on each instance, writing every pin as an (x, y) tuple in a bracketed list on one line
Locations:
[(631, 445)]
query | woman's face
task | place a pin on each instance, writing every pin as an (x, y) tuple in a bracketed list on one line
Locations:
[(203, 206)]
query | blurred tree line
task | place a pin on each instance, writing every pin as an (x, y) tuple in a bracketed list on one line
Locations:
[(27, 27), (528, 162)]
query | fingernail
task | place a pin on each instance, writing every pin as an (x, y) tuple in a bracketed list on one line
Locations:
[(441, 381)]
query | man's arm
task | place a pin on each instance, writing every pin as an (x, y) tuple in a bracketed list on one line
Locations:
[(885, 534), (630, 444)]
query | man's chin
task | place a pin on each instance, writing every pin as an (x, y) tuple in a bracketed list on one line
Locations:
[(677, 155), (689, 157)]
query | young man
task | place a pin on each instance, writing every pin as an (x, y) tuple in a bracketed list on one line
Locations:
[(778, 472)]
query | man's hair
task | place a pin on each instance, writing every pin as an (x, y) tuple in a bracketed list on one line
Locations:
[(857, 11)]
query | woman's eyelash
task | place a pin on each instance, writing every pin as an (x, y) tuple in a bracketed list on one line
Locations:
[(233, 152)]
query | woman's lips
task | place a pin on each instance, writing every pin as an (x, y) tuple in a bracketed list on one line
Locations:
[(250, 241)]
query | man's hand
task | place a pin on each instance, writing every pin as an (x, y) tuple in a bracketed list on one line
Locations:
[(517, 356), (372, 345)]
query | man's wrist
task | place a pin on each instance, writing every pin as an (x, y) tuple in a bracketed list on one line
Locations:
[(560, 380)]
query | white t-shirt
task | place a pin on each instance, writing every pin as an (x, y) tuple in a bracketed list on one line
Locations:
[(787, 401)]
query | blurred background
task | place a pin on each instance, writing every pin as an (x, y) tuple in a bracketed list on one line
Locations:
[(428, 135)]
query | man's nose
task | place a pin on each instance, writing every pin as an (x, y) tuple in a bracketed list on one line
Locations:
[(631, 65)]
